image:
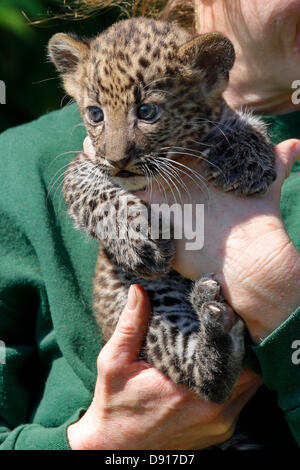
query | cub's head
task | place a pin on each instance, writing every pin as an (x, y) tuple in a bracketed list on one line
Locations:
[(145, 90)]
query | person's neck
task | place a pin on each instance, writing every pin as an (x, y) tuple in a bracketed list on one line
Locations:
[(253, 84), (261, 93), (260, 100)]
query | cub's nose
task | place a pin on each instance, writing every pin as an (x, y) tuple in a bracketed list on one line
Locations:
[(119, 164)]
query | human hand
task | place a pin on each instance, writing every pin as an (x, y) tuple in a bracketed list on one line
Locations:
[(247, 247), (136, 406)]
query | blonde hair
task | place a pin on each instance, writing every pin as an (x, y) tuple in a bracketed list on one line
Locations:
[(179, 11)]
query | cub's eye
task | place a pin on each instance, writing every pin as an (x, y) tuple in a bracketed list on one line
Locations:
[(148, 112), (95, 114)]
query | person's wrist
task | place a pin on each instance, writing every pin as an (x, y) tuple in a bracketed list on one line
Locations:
[(270, 291), (86, 434)]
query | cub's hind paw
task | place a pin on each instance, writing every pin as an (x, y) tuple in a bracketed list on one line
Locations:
[(222, 350), (154, 258), (207, 300), (204, 289), (219, 314)]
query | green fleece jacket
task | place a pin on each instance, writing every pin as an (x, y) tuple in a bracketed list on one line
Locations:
[(49, 341)]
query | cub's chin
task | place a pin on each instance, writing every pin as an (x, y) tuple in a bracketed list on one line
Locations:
[(131, 183)]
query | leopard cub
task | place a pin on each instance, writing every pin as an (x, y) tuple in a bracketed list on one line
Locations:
[(150, 95)]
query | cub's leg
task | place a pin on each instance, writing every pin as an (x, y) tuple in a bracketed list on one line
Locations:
[(192, 337), (118, 219), (241, 157), (222, 333)]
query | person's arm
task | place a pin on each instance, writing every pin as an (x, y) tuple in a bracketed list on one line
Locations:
[(25, 317), (247, 247), (42, 383), (134, 407), (269, 302), (260, 275), (20, 374), (279, 360)]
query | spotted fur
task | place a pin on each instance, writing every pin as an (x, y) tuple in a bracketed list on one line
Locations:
[(193, 336)]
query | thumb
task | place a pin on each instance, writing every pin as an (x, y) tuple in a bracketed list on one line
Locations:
[(88, 148), (287, 153), (130, 331)]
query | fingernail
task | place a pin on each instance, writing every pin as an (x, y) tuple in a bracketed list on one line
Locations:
[(132, 298)]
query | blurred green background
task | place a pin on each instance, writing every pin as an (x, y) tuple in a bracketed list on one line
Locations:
[(32, 86)]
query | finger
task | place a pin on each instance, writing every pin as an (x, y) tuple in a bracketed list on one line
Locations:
[(287, 153), (240, 389), (235, 406), (129, 334), (246, 380), (247, 376), (88, 148)]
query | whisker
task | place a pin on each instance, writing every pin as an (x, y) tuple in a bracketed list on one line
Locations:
[(157, 179), (171, 189), (62, 100), (53, 183), (196, 156), (149, 175), (78, 125), (174, 173), (217, 125), (162, 91), (180, 148), (159, 80), (45, 80), (173, 182), (61, 154), (194, 173)]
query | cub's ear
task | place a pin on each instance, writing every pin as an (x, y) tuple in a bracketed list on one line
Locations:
[(212, 53), (66, 50)]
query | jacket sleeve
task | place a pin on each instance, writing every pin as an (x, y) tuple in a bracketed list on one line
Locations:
[(23, 301), (279, 360), (21, 288), (36, 437)]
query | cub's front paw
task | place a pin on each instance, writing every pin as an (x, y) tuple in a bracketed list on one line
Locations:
[(242, 181), (144, 258), (243, 172), (152, 258)]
